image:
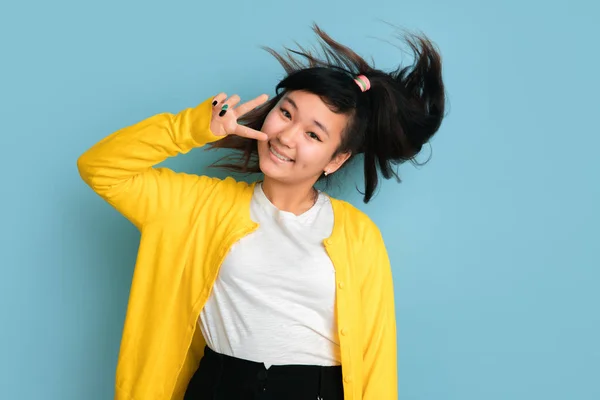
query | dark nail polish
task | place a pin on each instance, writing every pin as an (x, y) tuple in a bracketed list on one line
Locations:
[(222, 113), (214, 103)]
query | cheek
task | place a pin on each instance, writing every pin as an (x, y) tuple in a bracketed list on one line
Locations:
[(314, 156), (270, 124), (267, 127)]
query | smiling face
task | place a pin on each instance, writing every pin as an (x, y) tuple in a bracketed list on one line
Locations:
[(304, 134)]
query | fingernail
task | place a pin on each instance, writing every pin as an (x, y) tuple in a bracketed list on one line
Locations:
[(214, 103), (222, 113)]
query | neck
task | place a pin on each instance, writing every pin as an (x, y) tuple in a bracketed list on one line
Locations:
[(297, 198)]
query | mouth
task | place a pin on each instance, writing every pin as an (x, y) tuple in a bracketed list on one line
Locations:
[(278, 155)]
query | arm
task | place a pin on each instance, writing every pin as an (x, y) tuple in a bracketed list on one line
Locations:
[(120, 167), (379, 350)]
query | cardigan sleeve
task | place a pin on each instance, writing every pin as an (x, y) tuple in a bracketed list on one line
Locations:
[(380, 379), (121, 167)]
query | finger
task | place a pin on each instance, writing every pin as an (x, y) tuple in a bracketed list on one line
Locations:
[(233, 101), (229, 103), (251, 105), (221, 97), (242, 130)]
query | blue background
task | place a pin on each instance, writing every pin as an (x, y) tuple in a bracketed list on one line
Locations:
[(494, 242)]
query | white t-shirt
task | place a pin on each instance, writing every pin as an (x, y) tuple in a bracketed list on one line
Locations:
[(274, 298)]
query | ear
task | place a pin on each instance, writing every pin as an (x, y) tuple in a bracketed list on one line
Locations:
[(337, 162)]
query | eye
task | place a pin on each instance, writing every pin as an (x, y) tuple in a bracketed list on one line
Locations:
[(285, 113), (314, 136)]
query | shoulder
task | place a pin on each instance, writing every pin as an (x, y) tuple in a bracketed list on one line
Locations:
[(363, 241), (353, 219), (225, 186), (230, 185), (229, 193), (195, 191)]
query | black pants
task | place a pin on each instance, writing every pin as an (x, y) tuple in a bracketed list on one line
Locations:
[(222, 377)]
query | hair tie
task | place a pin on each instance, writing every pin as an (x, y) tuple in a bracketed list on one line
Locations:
[(363, 82)]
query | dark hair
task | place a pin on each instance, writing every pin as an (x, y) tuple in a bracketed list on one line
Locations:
[(389, 123)]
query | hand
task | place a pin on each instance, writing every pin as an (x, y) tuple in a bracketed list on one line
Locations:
[(224, 122)]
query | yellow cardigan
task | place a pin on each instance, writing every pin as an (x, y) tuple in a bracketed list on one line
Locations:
[(187, 224)]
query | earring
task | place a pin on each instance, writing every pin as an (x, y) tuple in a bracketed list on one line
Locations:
[(326, 173)]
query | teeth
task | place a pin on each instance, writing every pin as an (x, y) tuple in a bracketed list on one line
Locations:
[(282, 158)]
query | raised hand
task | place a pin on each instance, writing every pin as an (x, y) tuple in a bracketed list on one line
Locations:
[(225, 115)]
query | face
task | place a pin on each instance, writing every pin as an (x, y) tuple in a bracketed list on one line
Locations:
[(303, 136)]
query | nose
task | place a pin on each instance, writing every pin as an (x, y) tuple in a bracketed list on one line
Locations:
[(288, 136)]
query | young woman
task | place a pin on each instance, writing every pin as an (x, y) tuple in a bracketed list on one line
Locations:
[(268, 290)]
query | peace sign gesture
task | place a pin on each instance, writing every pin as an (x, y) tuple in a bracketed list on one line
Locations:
[(225, 115)]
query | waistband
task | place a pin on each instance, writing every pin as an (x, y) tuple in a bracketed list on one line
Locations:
[(322, 377)]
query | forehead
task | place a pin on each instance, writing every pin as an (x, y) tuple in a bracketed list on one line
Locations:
[(313, 110)]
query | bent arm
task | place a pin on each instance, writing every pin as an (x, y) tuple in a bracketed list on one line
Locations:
[(120, 168)]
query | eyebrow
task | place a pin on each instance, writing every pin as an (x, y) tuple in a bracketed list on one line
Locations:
[(320, 125)]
